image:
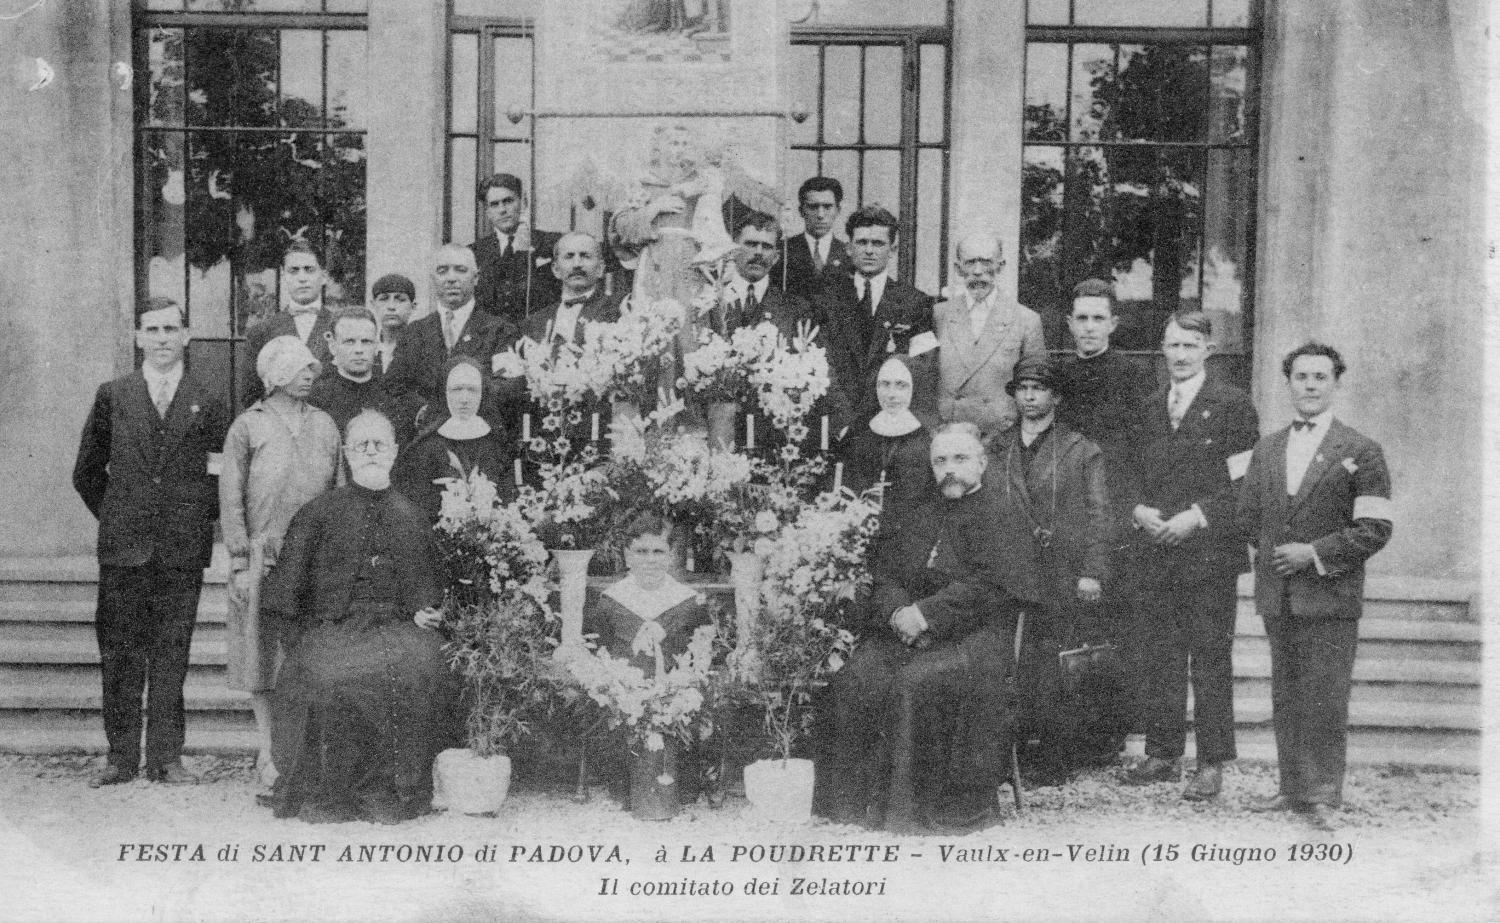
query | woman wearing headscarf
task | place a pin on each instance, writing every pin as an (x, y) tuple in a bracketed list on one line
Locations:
[(892, 447), (279, 454), (455, 444)]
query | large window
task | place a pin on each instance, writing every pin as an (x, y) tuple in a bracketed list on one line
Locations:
[(490, 71), (250, 121), (878, 123), (1139, 161)]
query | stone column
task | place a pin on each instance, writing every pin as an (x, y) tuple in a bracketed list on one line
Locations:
[(989, 48), (66, 269), (404, 180), (1372, 238)]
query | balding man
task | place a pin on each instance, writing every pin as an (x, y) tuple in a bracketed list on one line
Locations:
[(453, 328), (981, 337), (578, 264)]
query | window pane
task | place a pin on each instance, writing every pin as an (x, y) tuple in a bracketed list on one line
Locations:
[(164, 54), (212, 232), (1232, 13), (1229, 90), (1047, 12), (800, 166), (462, 203), (883, 180), (883, 94), (342, 192), (841, 95), (231, 77), (933, 89), (1040, 269), (512, 85), (1227, 207), (1093, 73), (804, 87), (347, 57), (1140, 12), (844, 167), (465, 82), (163, 192), (1154, 93), (1046, 92), (931, 260), (302, 78)]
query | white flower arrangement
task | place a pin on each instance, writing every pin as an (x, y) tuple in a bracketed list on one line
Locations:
[(625, 357), (715, 371), (475, 529), (788, 377), (652, 708)]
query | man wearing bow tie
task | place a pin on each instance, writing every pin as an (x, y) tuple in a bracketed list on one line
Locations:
[(303, 315), (514, 279), (867, 318), (1316, 504), (453, 328), (1185, 555), (578, 265), (145, 471)]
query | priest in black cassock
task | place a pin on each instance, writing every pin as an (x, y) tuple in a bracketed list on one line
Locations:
[(364, 698), (353, 381), (922, 711)]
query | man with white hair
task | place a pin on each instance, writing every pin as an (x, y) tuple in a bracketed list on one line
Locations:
[(147, 470), (981, 337)]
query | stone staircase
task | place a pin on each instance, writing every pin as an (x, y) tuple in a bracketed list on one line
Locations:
[(1416, 698)]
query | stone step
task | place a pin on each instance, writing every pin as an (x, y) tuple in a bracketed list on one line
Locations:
[(211, 609), (73, 732), (1375, 649), (1425, 631), (85, 650), (87, 674), (1367, 669), (67, 695)]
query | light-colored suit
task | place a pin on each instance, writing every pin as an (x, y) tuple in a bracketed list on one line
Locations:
[(973, 371)]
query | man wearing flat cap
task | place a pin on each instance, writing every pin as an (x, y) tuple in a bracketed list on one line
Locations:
[(1051, 479)]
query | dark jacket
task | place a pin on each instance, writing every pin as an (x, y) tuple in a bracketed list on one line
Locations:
[(857, 344), (147, 479), (1101, 397), (799, 275), (343, 399), (1342, 508), (519, 284), (421, 354)]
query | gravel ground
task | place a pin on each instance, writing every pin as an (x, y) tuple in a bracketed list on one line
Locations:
[(1408, 849)]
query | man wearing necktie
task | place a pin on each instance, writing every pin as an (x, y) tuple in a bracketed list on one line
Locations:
[(514, 279), (1316, 504), (865, 320), (752, 296), (816, 254), (453, 328), (1185, 554), (303, 314), (147, 469)]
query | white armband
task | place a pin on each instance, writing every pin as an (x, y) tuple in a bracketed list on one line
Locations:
[(924, 342), (1238, 464), (1371, 507)]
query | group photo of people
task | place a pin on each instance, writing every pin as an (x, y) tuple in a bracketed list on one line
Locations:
[(967, 561)]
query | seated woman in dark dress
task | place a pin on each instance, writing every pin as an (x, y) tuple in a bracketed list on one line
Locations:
[(455, 444), (891, 448), (364, 695), (646, 611)]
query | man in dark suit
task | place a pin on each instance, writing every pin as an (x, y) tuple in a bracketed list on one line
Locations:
[(1186, 554), (815, 254), (146, 470), (302, 315), (752, 297), (1316, 504), (865, 319), (514, 279), (453, 328), (1052, 481)]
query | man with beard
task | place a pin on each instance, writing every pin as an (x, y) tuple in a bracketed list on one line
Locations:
[(364, 696), (303, 315), (513, 277), (454, 328), (392, 298), (922, 710), (980, 340), (352, 382)]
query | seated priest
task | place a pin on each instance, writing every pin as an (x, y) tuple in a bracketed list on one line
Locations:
[(364, 699), (921, 714)]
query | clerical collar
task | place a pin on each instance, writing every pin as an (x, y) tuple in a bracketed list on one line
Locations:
[(369, 493), (648, 604), (472, 428), (1084, 355), (891, 423), (369, 376)]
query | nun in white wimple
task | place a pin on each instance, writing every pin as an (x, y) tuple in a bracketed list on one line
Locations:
[(455, 444), (892, 447)]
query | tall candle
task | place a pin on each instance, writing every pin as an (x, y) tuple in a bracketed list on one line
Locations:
[(525, 427), (823, 441), (594, 428), (518, 472), (749, 430), (838, 475)]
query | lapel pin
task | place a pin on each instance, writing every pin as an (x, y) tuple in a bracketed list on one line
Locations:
[(1349, 465)]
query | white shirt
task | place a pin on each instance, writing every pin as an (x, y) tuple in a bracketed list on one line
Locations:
[(567, 318), (979, 313), (305, 316), (1186, 392), (504, 240), (877, 288), (1301, 446), (157, 381), (739, 288), (460, 320), (820, 246)]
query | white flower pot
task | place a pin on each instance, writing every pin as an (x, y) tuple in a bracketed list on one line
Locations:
[(470, 784), (780, 790)]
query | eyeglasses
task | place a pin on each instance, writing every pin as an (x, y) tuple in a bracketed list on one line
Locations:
[(980, 263), (370, 447)]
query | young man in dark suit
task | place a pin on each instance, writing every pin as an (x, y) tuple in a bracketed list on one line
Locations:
[(1316, 504), (514, 278), (865, 319), (1185, 555), (453, 328), (815, 254), (303, 315), (146, 470)]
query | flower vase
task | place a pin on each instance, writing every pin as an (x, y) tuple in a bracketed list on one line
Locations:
[(465, 782), (653, 781), (572, 579), (626, 410), (745, 572), (722, 416), (780, 790)]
